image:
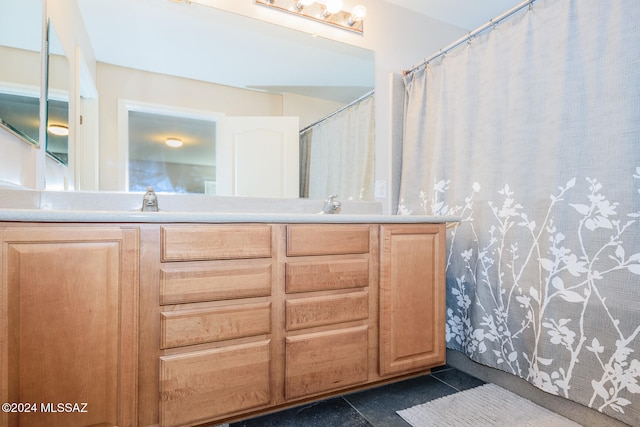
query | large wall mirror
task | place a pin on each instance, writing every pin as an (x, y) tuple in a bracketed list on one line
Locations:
[(199, 60), (20, 67)]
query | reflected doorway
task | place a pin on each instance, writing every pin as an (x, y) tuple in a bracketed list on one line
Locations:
[(172, 152)]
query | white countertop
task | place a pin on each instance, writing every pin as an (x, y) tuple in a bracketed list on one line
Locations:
[(42, 215), (18, 205)]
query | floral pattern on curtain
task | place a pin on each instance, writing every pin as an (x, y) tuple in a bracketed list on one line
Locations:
[(530, 133)]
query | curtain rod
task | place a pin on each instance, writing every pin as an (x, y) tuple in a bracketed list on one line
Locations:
[(491, 23), (352, 103)]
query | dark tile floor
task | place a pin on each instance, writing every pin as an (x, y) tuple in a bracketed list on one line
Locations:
[(375, 407)]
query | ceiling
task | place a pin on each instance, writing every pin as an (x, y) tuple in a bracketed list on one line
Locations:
[(467, 14)]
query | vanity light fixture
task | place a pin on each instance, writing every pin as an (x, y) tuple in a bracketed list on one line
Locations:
[(58, 130), (173, 142), (327, 11)]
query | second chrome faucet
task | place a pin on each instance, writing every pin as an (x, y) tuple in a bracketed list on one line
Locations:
[(331, 205)]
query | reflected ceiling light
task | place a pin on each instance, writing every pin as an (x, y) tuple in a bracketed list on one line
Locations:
[(58, 130), (173, 142), (328, 12)]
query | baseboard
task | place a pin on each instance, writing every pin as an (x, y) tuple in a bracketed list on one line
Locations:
[(574, 411)]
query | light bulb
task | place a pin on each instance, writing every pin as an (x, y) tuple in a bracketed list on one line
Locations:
[(334, 6), (358, 13), (301, 4)]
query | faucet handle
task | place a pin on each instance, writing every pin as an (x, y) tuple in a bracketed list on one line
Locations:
[(331, 205)]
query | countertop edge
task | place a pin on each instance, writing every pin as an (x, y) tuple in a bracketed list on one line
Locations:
[(40, 215)]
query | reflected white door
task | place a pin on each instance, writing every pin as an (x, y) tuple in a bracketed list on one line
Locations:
[(258, 156)]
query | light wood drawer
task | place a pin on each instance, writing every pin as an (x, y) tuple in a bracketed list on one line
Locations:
[(186, 327), (325, 361), (327, 239), (210, 282), (204, 385), (208, 242), (326, 275), (326, 310)]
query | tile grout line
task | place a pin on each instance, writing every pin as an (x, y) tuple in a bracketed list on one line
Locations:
[(372, 423), (356, 409), (447, 384)]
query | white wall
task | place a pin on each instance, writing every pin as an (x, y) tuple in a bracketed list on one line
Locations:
[(309, 110)]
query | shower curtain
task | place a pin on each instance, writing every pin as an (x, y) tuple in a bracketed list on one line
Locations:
[(530, 133), (336, 154)]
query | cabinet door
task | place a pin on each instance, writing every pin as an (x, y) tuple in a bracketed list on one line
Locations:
[(412, 297), (68, 311)]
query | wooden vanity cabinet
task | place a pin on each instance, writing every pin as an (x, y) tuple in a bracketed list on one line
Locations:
[(412, 297), (187, 324), (69, 324)]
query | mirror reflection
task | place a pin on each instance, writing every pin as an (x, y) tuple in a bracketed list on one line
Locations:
[(20, 72), (192, 57), (57, 98), (175, 163)]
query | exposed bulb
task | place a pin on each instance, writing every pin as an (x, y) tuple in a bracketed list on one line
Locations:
[(301, 4), (334, 6), (357, 14)]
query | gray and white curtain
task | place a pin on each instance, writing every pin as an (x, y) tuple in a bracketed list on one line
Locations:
[(530, 133), (337, 154)]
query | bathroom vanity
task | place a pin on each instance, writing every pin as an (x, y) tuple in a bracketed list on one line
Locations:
[(165, 321)]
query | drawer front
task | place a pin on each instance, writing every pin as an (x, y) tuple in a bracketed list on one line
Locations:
[(325, 361), (187, 327), (327, 239), (208, 242), (326, 310), (215, 282), (204, 385), (326, 275)]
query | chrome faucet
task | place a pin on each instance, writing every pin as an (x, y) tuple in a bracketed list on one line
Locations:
[(331, 206), (150, 201)]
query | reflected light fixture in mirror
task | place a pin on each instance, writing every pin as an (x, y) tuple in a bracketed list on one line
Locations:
[(173, 142), (330, 12), (59, 130)]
